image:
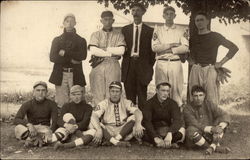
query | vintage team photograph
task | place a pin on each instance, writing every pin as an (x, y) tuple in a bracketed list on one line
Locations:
[(125, 79)]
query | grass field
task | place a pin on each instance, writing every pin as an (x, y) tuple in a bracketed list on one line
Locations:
[(236, 138)]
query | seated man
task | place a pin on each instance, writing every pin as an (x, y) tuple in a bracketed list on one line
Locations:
[(119, 118), (74, 120), (162, 119), (205, 122), (38, 127)]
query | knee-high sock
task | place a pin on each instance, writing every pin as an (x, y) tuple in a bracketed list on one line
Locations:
[(79, 141), (108, 137), (200, 141), (57, 137), (126, 129)]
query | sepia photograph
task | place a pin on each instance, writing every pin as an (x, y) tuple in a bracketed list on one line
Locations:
[(125, 79)]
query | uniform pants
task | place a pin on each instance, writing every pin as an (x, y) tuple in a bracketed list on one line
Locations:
[(42, 129), (133, 85), (171, 72), (162, 131), (101, 76), (205, 77)]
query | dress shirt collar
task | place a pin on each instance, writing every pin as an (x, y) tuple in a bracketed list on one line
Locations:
[(139, 25), (107, 30), (167, 28)]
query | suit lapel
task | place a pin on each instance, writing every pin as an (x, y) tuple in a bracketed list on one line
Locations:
[(142, 37), (130, 35)]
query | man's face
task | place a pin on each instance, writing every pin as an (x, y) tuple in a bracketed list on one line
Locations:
[(69, 23), (107, 22), (39, 93), (76, 97), (137, 13), (115, 94), (163, 92), (198, 98), (169, 16), (201, 22)]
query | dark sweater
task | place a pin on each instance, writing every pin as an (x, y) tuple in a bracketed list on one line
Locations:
[(75, 48), (156, 114), (37, 113), (82, 113), (204, 47)]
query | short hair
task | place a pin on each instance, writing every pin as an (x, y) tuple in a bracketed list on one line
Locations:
[(203, 14), (168, 8), (197, 88), (163, 84), (138, 5), (107, 14), (69, 15)]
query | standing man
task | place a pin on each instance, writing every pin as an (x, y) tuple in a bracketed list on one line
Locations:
[(67, 52), (162, 119), (74, 120), (169, 42), (206, 123), (106, 46), (203, 54), (138, 59), (116, 119), (41, 117)]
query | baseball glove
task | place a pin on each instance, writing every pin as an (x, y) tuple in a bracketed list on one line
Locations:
[(223, 74), (95, 61)]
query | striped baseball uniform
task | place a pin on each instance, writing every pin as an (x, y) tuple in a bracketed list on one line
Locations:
[(109, 70), (168, 66)]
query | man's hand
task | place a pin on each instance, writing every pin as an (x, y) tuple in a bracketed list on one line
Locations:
[(172, 45), (61, 52), (98, 136), (75, 61), (159, 142), (216, 130), (33, 131), (218, 65), (168, 140), (70, 127), (138, 130)]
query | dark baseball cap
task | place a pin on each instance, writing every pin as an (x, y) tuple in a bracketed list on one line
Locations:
[(42, 83), (115, 84)]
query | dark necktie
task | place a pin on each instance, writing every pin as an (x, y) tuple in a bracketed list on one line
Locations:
[(136, 39), (117, 115)]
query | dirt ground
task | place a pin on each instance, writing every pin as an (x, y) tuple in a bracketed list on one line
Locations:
[(236, 137)]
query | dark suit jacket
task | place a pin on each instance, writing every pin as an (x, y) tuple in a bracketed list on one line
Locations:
[(75, 48), (146, 55)]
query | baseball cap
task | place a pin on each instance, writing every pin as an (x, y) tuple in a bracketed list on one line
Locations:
[(42, 83), (107, 14), (168, 8), (76, 88), (69, 15), (115, 84)]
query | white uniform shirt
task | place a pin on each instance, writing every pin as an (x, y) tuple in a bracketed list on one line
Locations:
[(139, 36), (105, 109), (164, 35)]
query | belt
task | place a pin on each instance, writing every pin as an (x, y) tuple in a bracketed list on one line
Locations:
[(165, 59), (67, 69), (203, 64)]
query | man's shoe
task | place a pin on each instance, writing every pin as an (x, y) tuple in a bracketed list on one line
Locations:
[(224, 150), (209, 151), (175, 146), (58, 145), (123, 144)]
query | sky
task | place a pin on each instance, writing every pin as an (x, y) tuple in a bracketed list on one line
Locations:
[(28, 28)]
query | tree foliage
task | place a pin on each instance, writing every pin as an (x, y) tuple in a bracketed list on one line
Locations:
[(228, 11)]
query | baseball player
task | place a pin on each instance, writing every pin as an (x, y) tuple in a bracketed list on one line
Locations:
[(74, 120), (106, 46), (206, 123), (37, 129), (67, 52), (203, 55), (116, 118), (169, 42)]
